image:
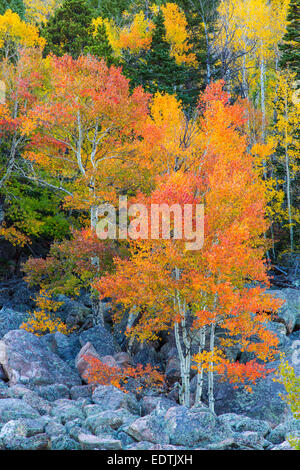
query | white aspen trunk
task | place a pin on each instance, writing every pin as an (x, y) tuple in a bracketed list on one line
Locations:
[(211, 399), (288, 176), (184, 350), (262, 95), (199, 389)]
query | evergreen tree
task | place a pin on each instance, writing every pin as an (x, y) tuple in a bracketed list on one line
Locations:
[(17, 6), (156, 70), (100, 47), (291, 42), (68, 31), (108, 8)]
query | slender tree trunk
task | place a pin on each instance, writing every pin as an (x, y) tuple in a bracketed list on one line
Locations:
[(97, 307), (211, 399), (183, 344), (288, 176), (199, 389), (262, 96)]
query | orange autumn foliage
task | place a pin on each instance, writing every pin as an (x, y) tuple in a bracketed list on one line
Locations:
[(223, 284), (99, 373)]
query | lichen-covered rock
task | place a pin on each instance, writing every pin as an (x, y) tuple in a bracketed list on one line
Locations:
[(64, 442), (186, 427), (150, 403), (66, 410), (81, 391), (289, 313), (111, 398), (240, 423), (284, 431), (101, 339), (148, 428), (111, 418), (53, 392), (91, 442), (27, 360), (13, 408)]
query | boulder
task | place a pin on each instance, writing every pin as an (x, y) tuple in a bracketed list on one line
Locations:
[(10, 320), (91, 442), (123, 360), (81, 363), (101, 339), (81, 391), (282, 432), (151, 403), (66, 347), (239, 423), (63, 442), (26, 360), (148, 428), (289, 313), (186, 427), (13, 408), (53, 392), (73, 312), (114, 419), (111, 398), (65, 410)]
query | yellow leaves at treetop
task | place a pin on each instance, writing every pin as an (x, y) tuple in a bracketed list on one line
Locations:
[(39, 11), (137, 35), (253, 23), (15, 31), (177, 35)]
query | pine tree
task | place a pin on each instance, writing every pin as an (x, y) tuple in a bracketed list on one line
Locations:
[(100, 46), (156, 70), (17, 6), (69, 30), (291, 42), (108, 8)]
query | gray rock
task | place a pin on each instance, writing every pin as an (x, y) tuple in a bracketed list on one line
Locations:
[(289, 313), (5, 392), (66, 347), (150, 403), (33, 426), (10, 320), (101, 339), (249, 440), (73, 312), (148, 428), (64, 442), (53, 392), (264, 403), (240, 423), (13, 408), (143, 445), (186, 427), (111, 398), (38, 403), (26, 360), (90, 442), (81, 391), (283, 446), (284, 431), (36, 442), (23, 435), (54, 428), (11, 429), (113, 419), (66, 410)]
